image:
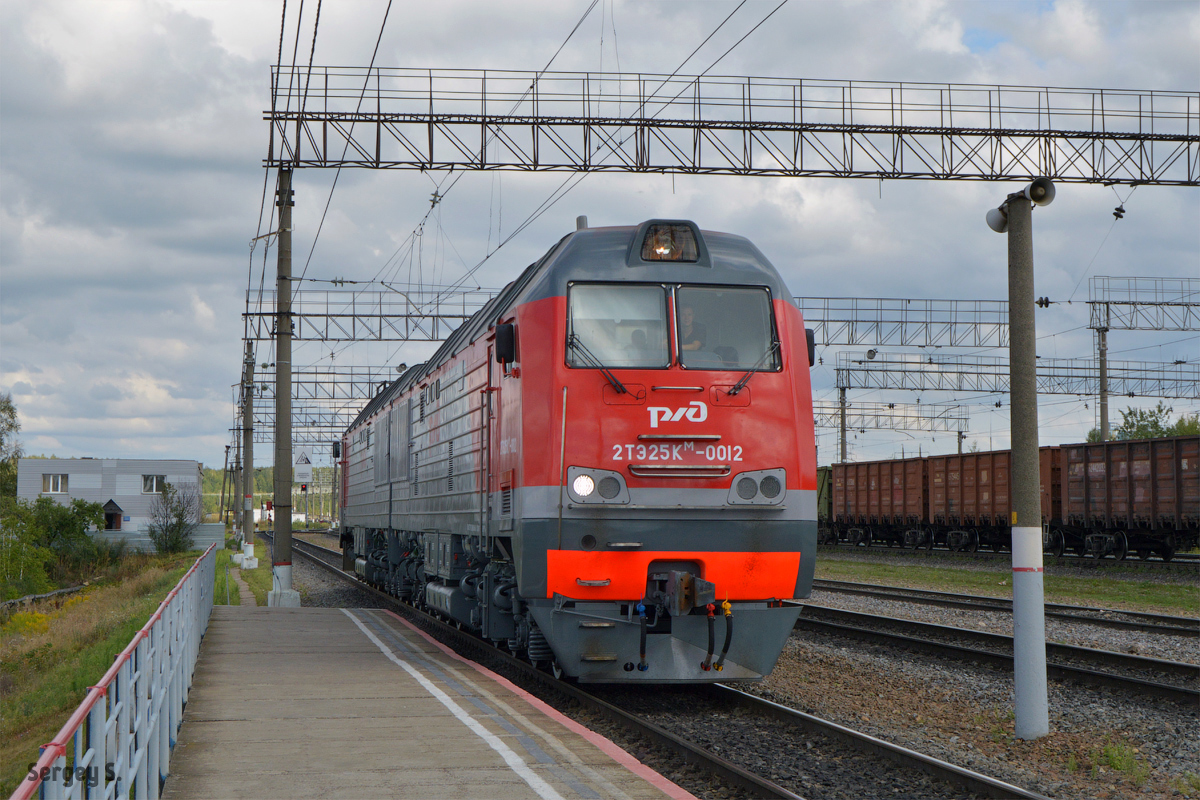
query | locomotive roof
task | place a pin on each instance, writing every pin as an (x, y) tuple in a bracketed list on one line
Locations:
[(599, 254)]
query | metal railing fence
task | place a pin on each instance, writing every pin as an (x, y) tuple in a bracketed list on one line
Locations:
[(120, 737)]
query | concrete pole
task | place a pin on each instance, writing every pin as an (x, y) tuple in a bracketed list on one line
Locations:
[(1029, 623), (224, 481), (237, 476), (248, 456), (282, 593), (842, 413), (1102, 342)]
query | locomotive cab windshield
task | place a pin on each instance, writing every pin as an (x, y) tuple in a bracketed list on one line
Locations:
[(716, 327)]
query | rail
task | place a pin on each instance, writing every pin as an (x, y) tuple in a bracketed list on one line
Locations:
[(120, 737), (722, 767)]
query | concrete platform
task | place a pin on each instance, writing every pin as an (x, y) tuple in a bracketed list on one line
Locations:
[(313, 702)]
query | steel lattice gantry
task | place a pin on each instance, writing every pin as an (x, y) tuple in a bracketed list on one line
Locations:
[(338, 383), (1144, 304), (424, 119), (1078, 376), (352, 315), (892, 416), (887, 321), (327, 399), (310, 425)]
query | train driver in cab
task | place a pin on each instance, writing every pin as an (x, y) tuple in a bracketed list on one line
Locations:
[(692, 335)]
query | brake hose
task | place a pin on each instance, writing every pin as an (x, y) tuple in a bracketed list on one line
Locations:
[(642, 665), (728, 609), (706, 665)]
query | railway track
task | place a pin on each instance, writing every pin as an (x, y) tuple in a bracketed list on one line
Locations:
[(1105, 617), (744, 717), (1147, 676)]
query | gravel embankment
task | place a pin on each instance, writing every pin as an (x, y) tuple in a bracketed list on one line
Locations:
[(320, 589), (1150, 645), (962, 713), (952, 711)]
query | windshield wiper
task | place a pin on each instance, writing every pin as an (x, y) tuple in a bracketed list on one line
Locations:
[(573, 343), (737, 387)]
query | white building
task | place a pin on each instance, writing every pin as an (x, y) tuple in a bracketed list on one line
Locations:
[(125, 487)]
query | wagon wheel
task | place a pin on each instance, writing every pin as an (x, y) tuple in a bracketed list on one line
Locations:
[(929, 539), (972, 542), (1121, 548), (1056, 544), (868, 539), (1167, 551)]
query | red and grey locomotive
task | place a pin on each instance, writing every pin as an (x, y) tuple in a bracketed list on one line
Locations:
[(610, 467)]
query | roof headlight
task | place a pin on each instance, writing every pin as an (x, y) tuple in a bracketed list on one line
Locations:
[(583, 485), (665, 242)]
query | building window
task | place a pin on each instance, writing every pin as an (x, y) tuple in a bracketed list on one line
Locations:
[(153, 484), (54, 484)]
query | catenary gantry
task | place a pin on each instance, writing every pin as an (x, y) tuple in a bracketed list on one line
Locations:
[(447, 119)]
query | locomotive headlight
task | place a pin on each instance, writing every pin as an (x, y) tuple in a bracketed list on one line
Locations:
[(593, 485), (584, 485)]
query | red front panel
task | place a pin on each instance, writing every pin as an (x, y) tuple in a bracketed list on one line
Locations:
[(737, 576), (766, 426)]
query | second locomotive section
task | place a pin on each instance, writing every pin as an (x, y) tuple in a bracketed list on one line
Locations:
[(610, 468)]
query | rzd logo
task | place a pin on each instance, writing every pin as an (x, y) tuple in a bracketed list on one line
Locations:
[(695, 411)]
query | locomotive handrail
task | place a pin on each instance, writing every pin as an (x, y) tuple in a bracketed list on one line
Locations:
[(680, 471), (125, 728), (674, 437)]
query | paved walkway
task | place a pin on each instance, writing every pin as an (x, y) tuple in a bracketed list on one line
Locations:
[(310, 702)]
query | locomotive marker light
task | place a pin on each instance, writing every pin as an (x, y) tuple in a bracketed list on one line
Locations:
[(1030, 707)]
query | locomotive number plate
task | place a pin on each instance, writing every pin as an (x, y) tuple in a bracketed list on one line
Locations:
[(676, 451)]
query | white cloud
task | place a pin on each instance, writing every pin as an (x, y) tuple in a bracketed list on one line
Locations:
[(132, 138)]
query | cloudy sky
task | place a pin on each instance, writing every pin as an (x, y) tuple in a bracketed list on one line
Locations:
[(132, 139)]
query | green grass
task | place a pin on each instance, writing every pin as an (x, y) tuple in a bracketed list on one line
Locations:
[(1188, 785), (47, 667), (1127, 593), (226, 593), (1122, 757), (259, 580)]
